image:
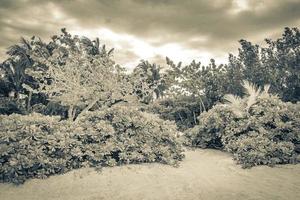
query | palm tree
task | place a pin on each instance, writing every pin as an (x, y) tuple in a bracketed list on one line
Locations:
[(241, 106), (148, 81), (16, 65)]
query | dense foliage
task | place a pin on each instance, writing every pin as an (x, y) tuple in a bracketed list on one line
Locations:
[(179, 109), (257, 129), (270, 134), (148, 82), (204, 83), (208, 132), (61, 71), (38, 146), (75, 78), (277, 63)]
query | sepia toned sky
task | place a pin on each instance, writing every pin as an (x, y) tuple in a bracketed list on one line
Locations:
[(152, 29)]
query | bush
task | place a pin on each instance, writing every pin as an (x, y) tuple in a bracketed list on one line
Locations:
[(9, 105), (131, 136), (256, 149), (36, 146), (51, 108), (31, 146), (211, 126), (259, 129), (269, 135), (182, 110)]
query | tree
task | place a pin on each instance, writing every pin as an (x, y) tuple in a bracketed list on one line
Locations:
[(234, 75), (276, 64), (34, 52), (79, 76), (241, 106), (283, 57), (14, 67), (148, 82), (204, 83), (214, 82)]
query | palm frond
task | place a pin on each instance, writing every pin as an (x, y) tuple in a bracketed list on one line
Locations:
[(232, 99), (253, 92), (25, 43), (235, 104), (110, 51), (267, 88), (15, 50), (250, 88), (97, 43), (265, 93), (86, 41)]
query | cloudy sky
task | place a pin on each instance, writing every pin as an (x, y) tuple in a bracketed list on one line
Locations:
[(152, 29)]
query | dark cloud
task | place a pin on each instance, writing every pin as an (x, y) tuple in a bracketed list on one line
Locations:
[(183, 18), (214, 26)]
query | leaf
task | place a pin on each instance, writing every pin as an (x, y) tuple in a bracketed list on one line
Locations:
[(235, 103)]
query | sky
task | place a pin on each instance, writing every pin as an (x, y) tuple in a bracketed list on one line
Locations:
[(183, 30)]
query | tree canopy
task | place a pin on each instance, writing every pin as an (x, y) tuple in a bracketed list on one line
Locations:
[(79, 73)]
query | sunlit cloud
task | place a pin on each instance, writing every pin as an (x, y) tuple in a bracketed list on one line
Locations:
[(151, 30), (144, 50), (240, 5)]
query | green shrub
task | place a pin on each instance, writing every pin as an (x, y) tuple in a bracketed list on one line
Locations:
[(30, 147), (211, 126), (257, 129), (269, 135), (9, 105), (182, 110), (256, 149), (131, 136), (36, 146)]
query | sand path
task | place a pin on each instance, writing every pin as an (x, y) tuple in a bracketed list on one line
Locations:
[(204, 174)]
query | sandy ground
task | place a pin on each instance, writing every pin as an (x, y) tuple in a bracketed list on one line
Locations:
[(204, 174)]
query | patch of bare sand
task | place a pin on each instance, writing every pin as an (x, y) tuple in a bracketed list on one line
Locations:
[(204, 174)]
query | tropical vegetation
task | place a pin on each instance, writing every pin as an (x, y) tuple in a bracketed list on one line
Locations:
[(66, 104)]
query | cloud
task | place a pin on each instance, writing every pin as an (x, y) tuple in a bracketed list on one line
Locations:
[(183, 18), (149, 29), (27, 18)]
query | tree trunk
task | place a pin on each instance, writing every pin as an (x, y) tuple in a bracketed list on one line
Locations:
[(181, 119), (17, 94), (70, 113), (201, 103), (88, 107), (195, 119), (29, 101), (204, 109), (74, 113)]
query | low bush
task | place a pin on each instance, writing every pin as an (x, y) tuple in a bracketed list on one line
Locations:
[(130, 136), (36, 146), (259, 129), (9, 105), (31, 146), (182, 110), (211, 127), (269, 135)]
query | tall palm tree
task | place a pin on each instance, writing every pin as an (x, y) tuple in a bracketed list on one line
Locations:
[(16, 65), (148, 81)]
